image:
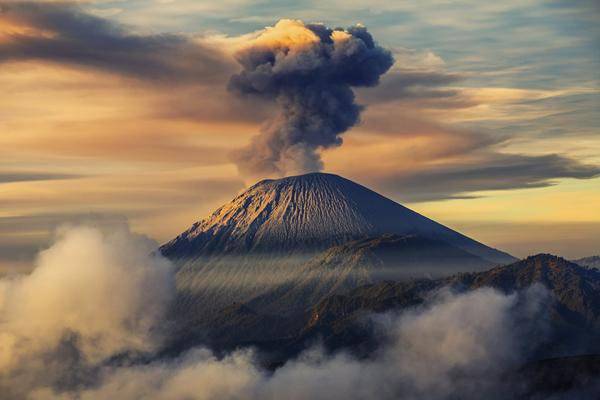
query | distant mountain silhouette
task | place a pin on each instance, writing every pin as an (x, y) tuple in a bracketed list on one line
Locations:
[(591, 262), (575, 312), (338, 320)]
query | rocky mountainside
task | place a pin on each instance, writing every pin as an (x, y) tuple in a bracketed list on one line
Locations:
[(341, 320), (575, 308), (361, 262), (306, 213)]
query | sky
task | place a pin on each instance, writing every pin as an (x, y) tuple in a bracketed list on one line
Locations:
[(114, 111)]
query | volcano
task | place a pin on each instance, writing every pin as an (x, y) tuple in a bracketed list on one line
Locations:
[(308, 213), (285, 244)]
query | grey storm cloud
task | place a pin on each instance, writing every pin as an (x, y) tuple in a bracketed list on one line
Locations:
[(497, 172), (309, 71), (64, 33)]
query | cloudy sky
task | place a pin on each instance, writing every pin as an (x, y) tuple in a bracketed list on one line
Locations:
[(120, 110)]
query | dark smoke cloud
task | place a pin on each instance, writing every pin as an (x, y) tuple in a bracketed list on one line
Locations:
[(309, 70)]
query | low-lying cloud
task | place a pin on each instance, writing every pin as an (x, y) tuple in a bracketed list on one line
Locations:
[(457, 345), (97, 302), (92, 296)]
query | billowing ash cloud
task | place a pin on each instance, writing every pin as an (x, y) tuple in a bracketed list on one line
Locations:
[(309, 70)]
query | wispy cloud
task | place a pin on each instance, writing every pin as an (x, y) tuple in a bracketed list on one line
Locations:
[(63, 33), (493, 172), (16, 176)]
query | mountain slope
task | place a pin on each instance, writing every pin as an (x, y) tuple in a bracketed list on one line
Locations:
[(306, 213), (575, 310), (365, 261), (340, 320), (263, 245)]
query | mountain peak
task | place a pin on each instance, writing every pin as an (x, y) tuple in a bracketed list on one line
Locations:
[(314, 177), (545, 260), (307, 213), (550, 270)]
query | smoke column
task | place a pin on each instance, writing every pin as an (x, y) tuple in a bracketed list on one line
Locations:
[(309, 70)]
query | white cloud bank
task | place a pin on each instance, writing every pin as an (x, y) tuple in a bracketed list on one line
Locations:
[(91, 296)]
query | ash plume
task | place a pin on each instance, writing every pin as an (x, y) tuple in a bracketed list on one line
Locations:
[(309, 70)]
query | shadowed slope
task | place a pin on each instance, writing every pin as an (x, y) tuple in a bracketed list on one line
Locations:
[(575, 307)]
